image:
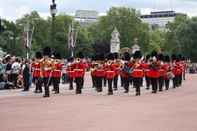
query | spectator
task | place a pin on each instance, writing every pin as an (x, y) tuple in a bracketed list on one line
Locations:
[(15, 71), (26, 75)]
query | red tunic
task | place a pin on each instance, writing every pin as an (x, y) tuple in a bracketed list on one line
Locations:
[(57, 73), (138, 72), (79, 69), (36, 70), (177, 69), (153, 73), (110, 72)]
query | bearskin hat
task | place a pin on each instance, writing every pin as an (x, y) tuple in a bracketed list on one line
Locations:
[(127, 56), (70, 59), (57, 55), (173, 57), (47, 51), (137, 55), (80, 55), (160, 57), (38, 55), (154, 53), (148, 57), (166, 58), (116, 55), (110, 56)]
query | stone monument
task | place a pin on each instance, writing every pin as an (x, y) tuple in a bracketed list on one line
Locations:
[(115, 41)]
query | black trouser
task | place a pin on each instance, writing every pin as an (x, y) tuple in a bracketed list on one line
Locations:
[(14, 78), (46, 86), (122, 81), (184, 78), (70, 79), (38, 82), (26, 83), (180, 79), (56, 83), (110, 90), (148, 82), (167, 83), (115, 81), (175, 81), (137, 84), (1, 78), (93, 81), (154, 83), (131, 80), (161, 83), (126, 83), (99, 84), (79, 84), (105, 81)]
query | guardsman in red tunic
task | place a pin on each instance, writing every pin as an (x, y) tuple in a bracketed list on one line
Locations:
[(125, 72), (177, 70), (93, 69), (137, 73), (79, 68), (154, 72), (36, 67), (110, 73), (160, 59), (145, 66), (99, 72), (71, 73), (116, 65), (57, 72), (167, 70), (46, 70)]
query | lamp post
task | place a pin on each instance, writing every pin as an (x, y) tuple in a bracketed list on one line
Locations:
[(53, 10)]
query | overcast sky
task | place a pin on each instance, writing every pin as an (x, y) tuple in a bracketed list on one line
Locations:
[(13, 9)]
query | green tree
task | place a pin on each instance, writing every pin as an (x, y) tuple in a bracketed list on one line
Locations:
[(128, 23)]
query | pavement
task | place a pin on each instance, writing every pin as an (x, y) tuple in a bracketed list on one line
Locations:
[(173, 110)]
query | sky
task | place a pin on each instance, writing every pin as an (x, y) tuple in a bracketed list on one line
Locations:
[(14, 9)]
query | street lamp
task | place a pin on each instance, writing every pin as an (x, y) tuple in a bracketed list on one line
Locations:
[(2, 26), (53, 10)]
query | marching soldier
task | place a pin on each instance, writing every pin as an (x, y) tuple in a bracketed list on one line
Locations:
[(110, 73), (46, 70), (56, 73), (167, 70), (145, 65), (70, 72), (36, 67), (177, 70), (137, 73), (116, 65), (99, 73), (154, 72), (79, 68), (125, 72), (161, 71)]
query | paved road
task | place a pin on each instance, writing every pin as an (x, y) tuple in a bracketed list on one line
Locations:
[(173, 110)]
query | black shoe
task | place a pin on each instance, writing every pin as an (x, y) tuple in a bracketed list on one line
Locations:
[(25, 90), (110, 93), (115, 89), (126, 91), (45, 96)]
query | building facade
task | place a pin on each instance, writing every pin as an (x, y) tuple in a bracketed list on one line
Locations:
[(160, 19), (86, 17)]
